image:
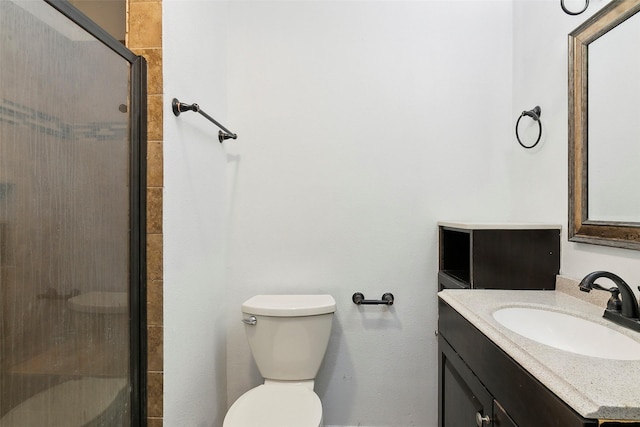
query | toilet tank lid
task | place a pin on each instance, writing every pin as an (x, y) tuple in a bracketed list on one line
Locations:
[(289, 305)]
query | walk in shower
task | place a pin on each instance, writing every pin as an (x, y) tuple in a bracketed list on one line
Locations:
[(72, 155)]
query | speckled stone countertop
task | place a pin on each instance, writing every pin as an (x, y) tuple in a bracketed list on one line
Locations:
[(499, 225), (595, 388)]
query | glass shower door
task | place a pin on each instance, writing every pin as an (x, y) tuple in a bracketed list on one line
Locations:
[(70, 223)]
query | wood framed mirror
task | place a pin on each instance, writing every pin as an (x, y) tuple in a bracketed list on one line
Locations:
[(604, 128)]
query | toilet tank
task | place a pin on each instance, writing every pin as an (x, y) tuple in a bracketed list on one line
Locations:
[(290, 335)]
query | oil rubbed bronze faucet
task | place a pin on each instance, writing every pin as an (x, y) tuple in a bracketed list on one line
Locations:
[(626, 312)]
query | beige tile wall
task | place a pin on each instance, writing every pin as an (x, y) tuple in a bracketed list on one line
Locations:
[(144, 37)]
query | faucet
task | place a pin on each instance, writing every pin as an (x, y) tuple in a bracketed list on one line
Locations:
[(625, 313)]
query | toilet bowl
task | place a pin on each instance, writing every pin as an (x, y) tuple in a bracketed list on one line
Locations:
[(288, 336), (276, 405)]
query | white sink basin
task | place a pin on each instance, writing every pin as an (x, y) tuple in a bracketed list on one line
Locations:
[(569, 333)]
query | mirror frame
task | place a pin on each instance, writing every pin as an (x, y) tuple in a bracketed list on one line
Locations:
[(581, 229)]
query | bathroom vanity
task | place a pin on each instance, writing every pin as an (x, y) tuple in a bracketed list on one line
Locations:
[(492, 376)]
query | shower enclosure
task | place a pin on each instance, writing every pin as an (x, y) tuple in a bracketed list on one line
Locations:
[(72, 153)]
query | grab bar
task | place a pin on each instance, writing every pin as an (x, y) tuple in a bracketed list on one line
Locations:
[(180, 107), (358, 299)]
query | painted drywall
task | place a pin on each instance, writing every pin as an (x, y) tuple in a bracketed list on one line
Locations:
[(195, 216), (538, 177), (361, 124)]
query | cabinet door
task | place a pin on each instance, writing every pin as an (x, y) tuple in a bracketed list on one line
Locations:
[(500, 417), (462, 396)]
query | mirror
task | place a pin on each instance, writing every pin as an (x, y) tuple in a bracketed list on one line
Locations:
[(604, 179)]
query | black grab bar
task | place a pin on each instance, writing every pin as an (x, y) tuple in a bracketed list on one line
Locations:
[(358, 299)]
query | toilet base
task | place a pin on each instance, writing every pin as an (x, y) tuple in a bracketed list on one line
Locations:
[(276, 404)]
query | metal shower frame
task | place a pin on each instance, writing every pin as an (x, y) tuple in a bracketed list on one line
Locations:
[(137, 205)]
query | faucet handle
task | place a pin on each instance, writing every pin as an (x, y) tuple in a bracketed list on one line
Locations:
[(614, 303), (602, 288)]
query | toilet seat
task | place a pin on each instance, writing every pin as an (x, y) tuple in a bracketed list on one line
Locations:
[(276, 405)]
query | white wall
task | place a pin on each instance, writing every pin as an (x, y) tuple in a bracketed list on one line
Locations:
[(538, 177), (195, 216), (360, 125)]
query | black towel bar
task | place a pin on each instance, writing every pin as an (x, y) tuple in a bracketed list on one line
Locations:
[(180, 107)]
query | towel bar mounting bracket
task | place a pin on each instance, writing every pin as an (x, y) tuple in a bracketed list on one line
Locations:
[(180, 107)]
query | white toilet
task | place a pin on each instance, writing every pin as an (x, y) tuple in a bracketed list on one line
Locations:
[(288, 336)]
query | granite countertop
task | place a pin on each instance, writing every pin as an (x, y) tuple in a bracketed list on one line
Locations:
[(499, 225), (595, 388)]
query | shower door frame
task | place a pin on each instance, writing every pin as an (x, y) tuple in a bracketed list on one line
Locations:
[(137, 207)]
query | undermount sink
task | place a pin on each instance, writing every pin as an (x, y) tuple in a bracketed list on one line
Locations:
[(569, 333)]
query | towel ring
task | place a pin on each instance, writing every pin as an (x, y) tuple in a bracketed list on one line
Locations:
[(535, 115), (568, 12)]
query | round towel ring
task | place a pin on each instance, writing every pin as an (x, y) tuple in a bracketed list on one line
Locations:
[(568, 12), (535, 115)]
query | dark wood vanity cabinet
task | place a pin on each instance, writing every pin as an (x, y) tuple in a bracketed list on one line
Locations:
[(498, 256), (476, 377)]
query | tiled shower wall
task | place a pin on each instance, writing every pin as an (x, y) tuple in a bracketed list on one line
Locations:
[(144, 37)]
